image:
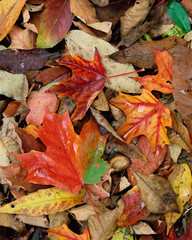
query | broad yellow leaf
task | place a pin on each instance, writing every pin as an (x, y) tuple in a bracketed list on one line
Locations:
[(9, 12), (180, 180), (44, 201)]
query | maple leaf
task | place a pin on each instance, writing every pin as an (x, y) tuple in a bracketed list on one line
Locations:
[(134, 209), (87, 81), (64, 233), (145, 116), (162, 81), (69, 157)]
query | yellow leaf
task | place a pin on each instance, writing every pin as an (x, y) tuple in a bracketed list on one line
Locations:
[(9, 13), (180, 180), (44, 201)]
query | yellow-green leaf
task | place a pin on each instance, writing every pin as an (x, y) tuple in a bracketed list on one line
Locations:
[(180, 180), (44, 201)]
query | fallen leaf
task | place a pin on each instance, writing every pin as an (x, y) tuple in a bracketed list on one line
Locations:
[(84, 44), (54, 73), (83, 213), (101, 103), (56, 21), (153, 160), (182, 91), (9, 12), (175, 150), (145, 116), (64, 233), (40, 221), (122, 233), (80, 7), (67, 156), (8, 220), (134, 208), (141, 228), (38, 102), (87, 81), (162, 81), (22, 38), (156, 192), (180, 180), (132, 19), (43, 202)]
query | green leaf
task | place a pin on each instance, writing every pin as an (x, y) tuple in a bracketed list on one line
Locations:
[(122, 234), (179, 15)]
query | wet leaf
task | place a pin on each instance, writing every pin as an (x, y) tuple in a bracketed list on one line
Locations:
[(64, 233), (67, 156), (55, 23), (134, 209), (20, 61), (145, 116), (179, 15), (156, 192), (162, 81), (43, 202), (9, 13), (87, 81)]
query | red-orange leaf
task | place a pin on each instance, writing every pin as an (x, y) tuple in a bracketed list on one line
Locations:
[(134, 209), (162, 81), (87, 81), (64, 233), (145, 116), (68, 156)]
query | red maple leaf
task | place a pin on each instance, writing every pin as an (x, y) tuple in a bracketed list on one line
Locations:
[(87, 81), (145, 116), (69, 157), (162, 81)]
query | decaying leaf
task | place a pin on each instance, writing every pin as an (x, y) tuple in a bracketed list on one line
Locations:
[(84, 44), (141, 228), (87, 81), (64, 233), (134, 209), (8, 220), (162, 81), (9, 12), (157, 194), (135, 16), (101, 103), (67, 156), (180, 180), (40, 221), (55, 23), (145, 116), (43, 202)]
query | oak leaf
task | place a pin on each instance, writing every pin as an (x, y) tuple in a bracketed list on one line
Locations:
[(162, 81), (69, 157), (87, 81), (64, 233), (134, 209), (145, 116)]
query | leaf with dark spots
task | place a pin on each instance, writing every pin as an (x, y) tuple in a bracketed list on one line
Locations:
[(20, 61)]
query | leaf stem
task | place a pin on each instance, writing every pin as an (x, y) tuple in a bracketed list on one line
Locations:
[(122, 74)]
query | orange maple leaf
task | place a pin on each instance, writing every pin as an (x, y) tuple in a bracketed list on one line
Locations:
[(162, 81), (87, 81), (64, 233), (145, 116)]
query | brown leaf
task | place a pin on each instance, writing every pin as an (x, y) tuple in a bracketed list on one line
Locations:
[(157, 193), (141, 54), (182, 83), (20, 61)]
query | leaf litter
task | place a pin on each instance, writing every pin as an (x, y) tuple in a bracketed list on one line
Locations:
[(91, 145)]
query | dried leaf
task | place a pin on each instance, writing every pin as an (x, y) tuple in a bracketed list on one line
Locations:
[(69, 158), (145, 116), (134, 209), (64, 233), (20, 61), (9, 12), (40, 221), (55, 23), (43, 202), (135, 15), (141, 228), (8, 220), (87, 81), (84, 44), (180, 180), (162, 81), (157, 194), (101, 103)]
